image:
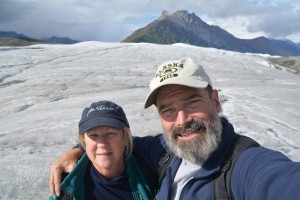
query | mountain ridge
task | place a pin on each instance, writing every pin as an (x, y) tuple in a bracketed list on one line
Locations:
[(184, 27), (11, 38)]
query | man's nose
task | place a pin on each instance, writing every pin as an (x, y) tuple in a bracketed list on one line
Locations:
[(183, 118)]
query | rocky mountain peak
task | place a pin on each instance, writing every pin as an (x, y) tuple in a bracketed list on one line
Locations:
[(181, 16)]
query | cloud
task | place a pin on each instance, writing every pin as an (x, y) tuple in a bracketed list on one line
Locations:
[(114, 20), (278, 22), (14, 10), (246, 19)]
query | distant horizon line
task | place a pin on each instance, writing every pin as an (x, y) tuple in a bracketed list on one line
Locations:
[(45, 37)]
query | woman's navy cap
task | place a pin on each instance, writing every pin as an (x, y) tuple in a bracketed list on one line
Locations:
[(102, 113)]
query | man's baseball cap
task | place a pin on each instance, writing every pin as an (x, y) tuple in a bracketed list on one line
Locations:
[(102, 113), (181, 72)]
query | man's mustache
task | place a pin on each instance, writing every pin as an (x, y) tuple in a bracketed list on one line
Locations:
[(189, 128)]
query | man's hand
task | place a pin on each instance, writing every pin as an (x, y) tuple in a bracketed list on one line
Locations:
[(65, 163)]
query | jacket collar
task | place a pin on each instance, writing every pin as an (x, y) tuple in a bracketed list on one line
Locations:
[(75, 178), (228, 136)]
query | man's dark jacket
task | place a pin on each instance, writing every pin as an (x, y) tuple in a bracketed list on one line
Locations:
[(259, 173)]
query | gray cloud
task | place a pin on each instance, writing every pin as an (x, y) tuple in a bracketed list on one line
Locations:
[(114, 20), (277, 23), (14, 10)]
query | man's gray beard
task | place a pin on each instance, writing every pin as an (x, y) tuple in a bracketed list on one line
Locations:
[(200, 148)]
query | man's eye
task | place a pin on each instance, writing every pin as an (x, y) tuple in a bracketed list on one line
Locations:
[(195, 103), (166, 112)]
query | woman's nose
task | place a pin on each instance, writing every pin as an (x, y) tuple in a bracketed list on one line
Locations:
[(101, 141)]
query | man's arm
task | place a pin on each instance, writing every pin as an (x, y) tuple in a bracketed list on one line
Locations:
[(261, 173), (65, 163), (150, 148)]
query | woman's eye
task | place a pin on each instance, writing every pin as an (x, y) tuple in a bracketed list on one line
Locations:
[(93, 136), (110, 134)]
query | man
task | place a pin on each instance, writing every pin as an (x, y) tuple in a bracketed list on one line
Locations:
[(188, 107)]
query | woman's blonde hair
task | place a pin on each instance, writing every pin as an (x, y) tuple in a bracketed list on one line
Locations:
[(127, 137)]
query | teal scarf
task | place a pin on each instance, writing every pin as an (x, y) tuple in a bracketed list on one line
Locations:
[(139, 185)]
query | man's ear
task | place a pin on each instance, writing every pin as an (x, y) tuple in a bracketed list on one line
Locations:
[(216, 101)]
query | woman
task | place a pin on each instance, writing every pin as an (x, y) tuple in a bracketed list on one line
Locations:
[(107, 170)]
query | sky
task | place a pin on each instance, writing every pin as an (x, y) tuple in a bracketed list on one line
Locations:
[(44, 88), (114, 20)]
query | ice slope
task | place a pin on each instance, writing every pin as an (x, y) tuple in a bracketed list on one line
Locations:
[(43, 89)]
